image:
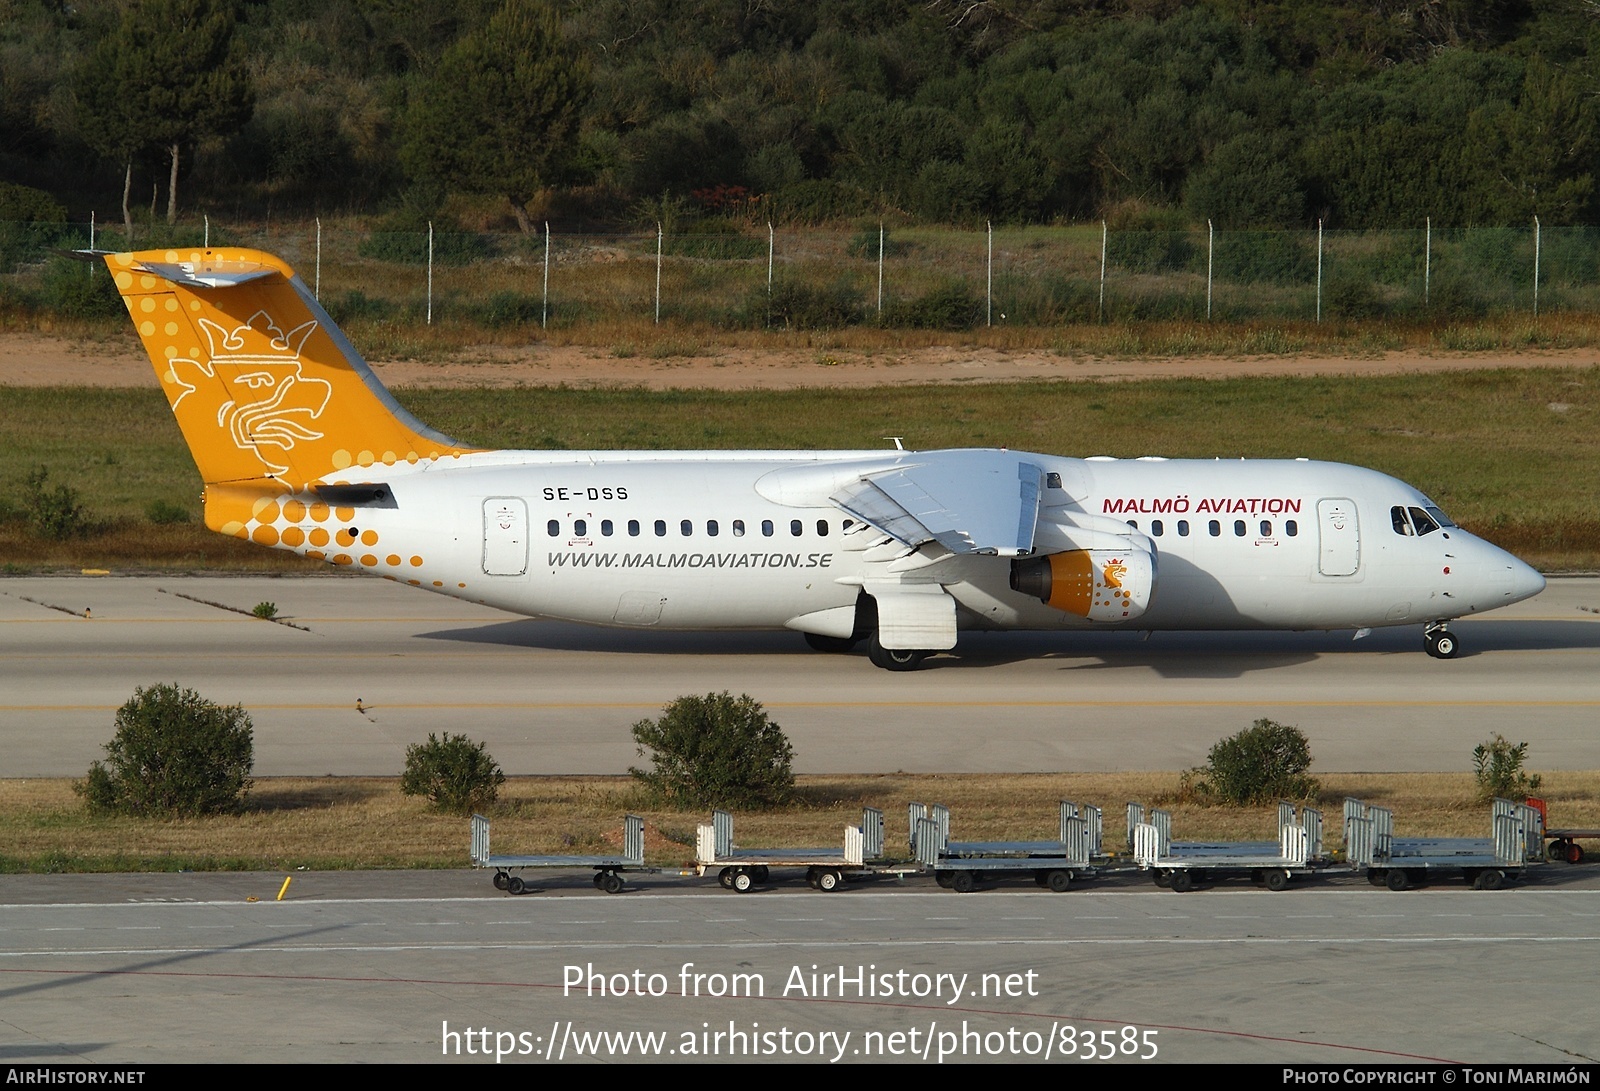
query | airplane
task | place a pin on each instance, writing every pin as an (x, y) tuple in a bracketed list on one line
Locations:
[(302, 448)]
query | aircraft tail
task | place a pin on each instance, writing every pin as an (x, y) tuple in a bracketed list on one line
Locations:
[(270, 396)]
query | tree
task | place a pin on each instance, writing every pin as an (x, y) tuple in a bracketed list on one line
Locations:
[(174, 753), (454, 773), (716, 751), (169, 75), (500, 110)]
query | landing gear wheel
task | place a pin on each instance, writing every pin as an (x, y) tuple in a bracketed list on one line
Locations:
[(965, 882), (1490, 879), (1442, 644), (515, 885), (1397, 880), (1058, 881), (1276, 879), (743, 881), (829, 880), (894, 659), (1182, 881), (833, 644), (500, 877), (611, 883)]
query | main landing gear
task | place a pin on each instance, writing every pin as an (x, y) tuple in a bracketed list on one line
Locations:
[(894, 659), (1441, 642)]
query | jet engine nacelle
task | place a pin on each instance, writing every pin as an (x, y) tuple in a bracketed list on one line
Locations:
[(1098, 584)]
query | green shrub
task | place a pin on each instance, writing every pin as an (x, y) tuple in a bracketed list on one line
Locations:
[(265, 610), (1265, 761), (174, 753), (454, 774), (948, 307), (1497, 766), (793, 305), (165, 513), (716, 751), (53, 512)]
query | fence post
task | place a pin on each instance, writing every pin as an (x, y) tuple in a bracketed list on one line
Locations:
[(1319, 269), (1103, 235), (91, 243), (544, 303), (1536, 240), (988, 288), (1211, 253), (880, 268), (659, 236), (430, 272), (771, 242), (316, 284), (205, 240), (1427, 259)]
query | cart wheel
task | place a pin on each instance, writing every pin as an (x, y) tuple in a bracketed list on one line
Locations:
[(829, 880), (1575, 853), (1276, 879), (1397, 880), (965, 882), (599, 878), (743, 881), (1163, 879), (725, 878), (515, 885), (1058, 881), (1182, 880), (500, 878), (945, 879), (1490, 879), (611, 883), (1375, 876), (760, 873), (1556, 851)]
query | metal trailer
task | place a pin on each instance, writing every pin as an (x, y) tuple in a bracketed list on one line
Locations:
[(1563, 843), (962, 865), (1516, 840), (1175, 864), (739, 868), (608, 870)]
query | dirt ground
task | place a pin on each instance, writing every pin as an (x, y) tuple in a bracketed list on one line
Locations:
[(37, 360)]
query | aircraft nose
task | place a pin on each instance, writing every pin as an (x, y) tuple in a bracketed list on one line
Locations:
[(1525, 581)]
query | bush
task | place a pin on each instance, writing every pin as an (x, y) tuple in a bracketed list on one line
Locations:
[(800, 306), (265, 610), (716, 751), (1265, 761), (174, 753), (53, 513), (948, 307), (164, 513), (1497, 765), (454, 773)]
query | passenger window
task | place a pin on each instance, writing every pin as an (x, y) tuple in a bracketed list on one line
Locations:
[(1266, 528), (1423, 524), (1215, 528), (1291, 528), (738, 528), (1397, 516), (796, 527), (1156, 527), (580, 528), (605, 527), (1183, 528), (554, 527), (711, 528), (822, 528), (766, 527), (633, 528), (1238, 528), (686, 527), (661, 528)]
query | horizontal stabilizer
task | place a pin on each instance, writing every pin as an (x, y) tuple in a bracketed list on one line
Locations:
[(208, 275)]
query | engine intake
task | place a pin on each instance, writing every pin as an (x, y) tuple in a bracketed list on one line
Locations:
[(1098, 584)]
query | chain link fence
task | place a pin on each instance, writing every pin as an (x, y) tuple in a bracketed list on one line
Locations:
[(805, 278)]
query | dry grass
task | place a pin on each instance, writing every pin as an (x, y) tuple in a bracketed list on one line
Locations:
[(361, 822)]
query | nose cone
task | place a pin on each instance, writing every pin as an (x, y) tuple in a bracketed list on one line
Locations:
[(1524, 581)]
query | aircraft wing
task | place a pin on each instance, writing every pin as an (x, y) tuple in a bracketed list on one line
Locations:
[(967, 501)]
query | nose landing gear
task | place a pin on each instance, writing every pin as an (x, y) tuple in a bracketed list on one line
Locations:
[(1441, 642)]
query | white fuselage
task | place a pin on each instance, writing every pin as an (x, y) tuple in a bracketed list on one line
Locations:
[(695, 540)]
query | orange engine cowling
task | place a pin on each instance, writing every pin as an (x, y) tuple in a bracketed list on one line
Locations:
[(1098, 584)]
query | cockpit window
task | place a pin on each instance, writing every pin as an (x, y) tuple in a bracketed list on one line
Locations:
[(1397, 516), (1438, 516), (1421, 520)]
